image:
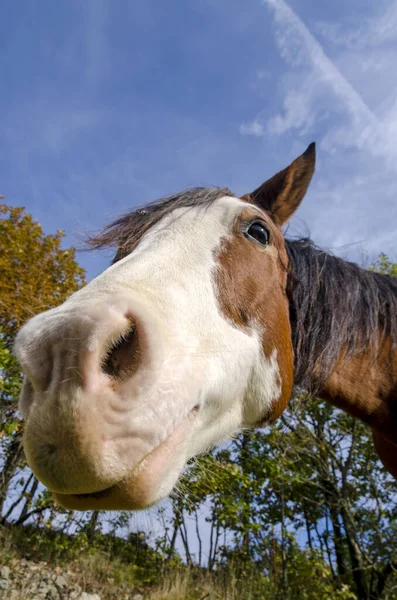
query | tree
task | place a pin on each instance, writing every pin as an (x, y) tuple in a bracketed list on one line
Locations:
[(36, 274), (384, 265)]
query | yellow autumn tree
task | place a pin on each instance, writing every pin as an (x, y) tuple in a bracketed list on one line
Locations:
[(36, 273)]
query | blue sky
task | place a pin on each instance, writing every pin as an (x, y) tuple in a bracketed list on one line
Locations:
[(105, 105)]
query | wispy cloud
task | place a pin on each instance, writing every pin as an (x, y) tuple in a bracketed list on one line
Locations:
[(328, 96), (303, 102), (369, 32), (298, 45), (253, 128)]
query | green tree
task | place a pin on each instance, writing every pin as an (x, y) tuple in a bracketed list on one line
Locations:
[(384, 265)]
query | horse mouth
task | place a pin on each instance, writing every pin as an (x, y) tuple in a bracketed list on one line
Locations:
[(100, 494), (143, 487)]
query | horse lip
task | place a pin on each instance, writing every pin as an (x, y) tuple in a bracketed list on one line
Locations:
[(107, 491), (97, 495)]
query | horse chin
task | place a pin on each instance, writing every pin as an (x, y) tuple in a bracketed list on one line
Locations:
[(149, 482)]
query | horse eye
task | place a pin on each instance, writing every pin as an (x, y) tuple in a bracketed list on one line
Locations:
[(258, 232)]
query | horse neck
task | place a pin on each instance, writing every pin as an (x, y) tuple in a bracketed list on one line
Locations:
[(365, 386), (344, 331)]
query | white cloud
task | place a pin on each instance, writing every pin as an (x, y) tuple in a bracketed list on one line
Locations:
[(299, 109), (347, 101), (373, 31), (300, 48), (253, 128), (315, 91)]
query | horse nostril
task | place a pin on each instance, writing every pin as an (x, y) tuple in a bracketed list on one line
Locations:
[(49, 449), (122, 357)]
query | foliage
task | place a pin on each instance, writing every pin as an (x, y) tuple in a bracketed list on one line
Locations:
[(10, 378), (36, 273), (384, 265), (131, 562)]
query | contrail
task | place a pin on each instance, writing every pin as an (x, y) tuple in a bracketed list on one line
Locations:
[(296, 34)]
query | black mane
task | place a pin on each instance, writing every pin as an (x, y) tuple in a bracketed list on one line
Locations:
[(335, 305)]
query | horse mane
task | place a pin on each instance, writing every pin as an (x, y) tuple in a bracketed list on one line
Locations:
[(335, 307), (126, 232)]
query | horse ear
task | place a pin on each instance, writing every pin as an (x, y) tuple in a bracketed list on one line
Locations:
[(282, 194)]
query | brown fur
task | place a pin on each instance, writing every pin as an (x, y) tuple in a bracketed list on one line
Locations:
[(249, 300), (282, 194), (363, 385), (367, 389)]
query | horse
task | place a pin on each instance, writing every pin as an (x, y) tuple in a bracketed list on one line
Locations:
[(205, 323)]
